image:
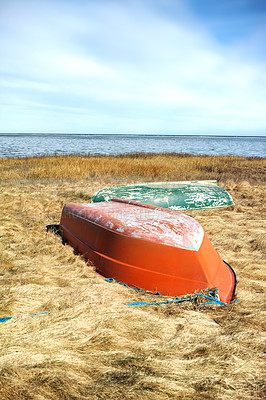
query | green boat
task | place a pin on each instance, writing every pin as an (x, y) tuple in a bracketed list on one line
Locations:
[(184, 195)]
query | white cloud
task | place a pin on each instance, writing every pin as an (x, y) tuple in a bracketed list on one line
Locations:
[(17, 83), (123, 66)]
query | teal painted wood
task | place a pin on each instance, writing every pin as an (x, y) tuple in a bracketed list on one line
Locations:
[(184, 195)]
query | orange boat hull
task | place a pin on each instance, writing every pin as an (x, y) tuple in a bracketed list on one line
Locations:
[(147, 264)]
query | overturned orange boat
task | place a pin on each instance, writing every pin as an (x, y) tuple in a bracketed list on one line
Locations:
[(149, 247)]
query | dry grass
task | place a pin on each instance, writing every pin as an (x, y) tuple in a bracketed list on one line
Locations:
[(138, 166), (91, 346)]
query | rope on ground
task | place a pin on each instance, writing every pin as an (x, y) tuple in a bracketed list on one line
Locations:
[(4, 319), (211, 296)]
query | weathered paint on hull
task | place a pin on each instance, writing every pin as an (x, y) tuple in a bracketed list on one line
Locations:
[(141, 258), (173, 195)]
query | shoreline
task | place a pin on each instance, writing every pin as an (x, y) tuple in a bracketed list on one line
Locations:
[(132, 155)]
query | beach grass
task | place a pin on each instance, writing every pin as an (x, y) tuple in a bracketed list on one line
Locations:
[(89, 344), (138, 166)]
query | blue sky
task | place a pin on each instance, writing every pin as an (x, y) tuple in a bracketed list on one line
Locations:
[(121, 66)]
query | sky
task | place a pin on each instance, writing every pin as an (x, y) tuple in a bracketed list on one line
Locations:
[(133, 66)]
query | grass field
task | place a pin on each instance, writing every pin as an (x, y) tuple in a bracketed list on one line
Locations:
[(90, 345)]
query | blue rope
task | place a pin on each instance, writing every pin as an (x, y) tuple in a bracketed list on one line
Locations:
[(190, 298), (4, 319), (212, 298), (143, 303)]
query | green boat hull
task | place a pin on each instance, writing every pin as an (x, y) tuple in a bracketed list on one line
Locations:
[(184, 195)]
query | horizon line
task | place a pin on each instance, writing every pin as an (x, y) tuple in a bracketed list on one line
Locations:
[(133, 133)]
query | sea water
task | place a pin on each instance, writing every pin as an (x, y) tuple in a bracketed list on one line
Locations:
[(28, 145)]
